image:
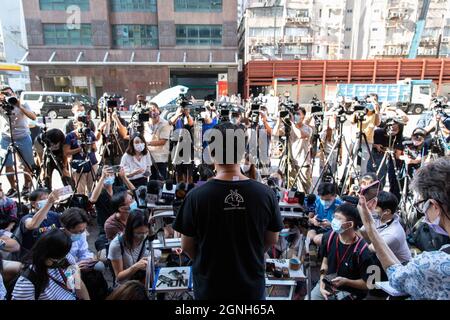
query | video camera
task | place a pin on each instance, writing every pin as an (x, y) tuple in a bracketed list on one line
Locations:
[(108, 104), (9, 103), (440, 107)]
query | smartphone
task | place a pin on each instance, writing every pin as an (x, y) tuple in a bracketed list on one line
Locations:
[(66, 192), (116, 169), (371, 191)]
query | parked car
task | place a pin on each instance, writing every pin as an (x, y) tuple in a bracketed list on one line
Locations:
[(57, 104)]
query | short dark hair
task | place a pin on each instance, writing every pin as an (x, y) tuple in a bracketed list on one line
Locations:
[(351, 213), (118, 200), (229, 147), (130, 290), (370, 175), (130, 150), (326, 188), (38, 193), (432, 181), (302, 110), (73, 217), (387, 200)]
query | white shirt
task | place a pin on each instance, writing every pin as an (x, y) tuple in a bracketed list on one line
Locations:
[(2, 289), (300, 147), (80, 249), (131, 163), (155, 132)]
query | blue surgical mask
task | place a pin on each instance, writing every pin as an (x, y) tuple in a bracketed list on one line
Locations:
[(327, 203), (370, 107), (109, 181), (336, 225), (134, 206), (76, 237), (41, 204)]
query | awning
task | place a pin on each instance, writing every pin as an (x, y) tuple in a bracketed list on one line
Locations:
[(10, 67), (175, 58)]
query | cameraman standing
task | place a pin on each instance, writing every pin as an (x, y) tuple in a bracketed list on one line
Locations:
[(158, 132), (182, 120), (18, 128), (80, 148), (78, 111)]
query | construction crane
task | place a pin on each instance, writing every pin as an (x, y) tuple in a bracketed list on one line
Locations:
[(420, 26)]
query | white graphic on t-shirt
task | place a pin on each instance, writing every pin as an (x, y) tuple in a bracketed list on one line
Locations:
[(234, 199)]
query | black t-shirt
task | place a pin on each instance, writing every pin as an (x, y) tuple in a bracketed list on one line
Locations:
[(103, 208), (228, 220), (380, 137), (29, 237), (355, 260)]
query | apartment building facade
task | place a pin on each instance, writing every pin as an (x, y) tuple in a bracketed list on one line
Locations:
[(131, 46), (340, 29)]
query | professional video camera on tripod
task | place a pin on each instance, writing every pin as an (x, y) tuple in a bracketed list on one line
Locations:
[(113, 145), (438, 145), (16, 142)]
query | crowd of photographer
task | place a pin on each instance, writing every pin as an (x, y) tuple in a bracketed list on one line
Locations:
[(113, 170)]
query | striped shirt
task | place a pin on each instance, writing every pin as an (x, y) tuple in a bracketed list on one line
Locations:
[(24, 289), (2, 288)]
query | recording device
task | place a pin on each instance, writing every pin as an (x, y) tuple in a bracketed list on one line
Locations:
[(310, 203), (108, 104), (9, 103), (153, 190), (140, 195), (183, 101), (350, 199), (225, 115), (255, 112), (328, 281), (167, 194), (371, 191)]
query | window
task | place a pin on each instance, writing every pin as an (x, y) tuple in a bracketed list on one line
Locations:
[(199, 35), (320, 13), (266, 12), (62, 5), (348, 29), (349, 11), (269, 32), (373, 47), (133, 5), (31, 97), (425, 90), (375, 29), (59, 34), (135, 36), (296, 50), (318, 49), (62, 99), (198, 5), (347, 47)]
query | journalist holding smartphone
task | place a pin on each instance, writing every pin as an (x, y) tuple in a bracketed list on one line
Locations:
[(14, 122)]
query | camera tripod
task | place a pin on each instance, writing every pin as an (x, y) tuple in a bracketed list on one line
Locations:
[(111, 149), (356, 154), (49, 161), (13, 151)]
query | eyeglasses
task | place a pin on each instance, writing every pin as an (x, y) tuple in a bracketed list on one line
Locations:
[(420, 206)]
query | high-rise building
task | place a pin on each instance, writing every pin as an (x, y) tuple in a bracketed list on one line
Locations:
[(131, 46), (13, 45), (341, 29)]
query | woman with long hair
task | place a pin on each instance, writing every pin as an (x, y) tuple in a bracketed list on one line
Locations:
[(47, 273), (128, 252)]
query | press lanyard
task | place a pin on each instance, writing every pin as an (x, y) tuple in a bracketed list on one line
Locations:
[(339, 261)]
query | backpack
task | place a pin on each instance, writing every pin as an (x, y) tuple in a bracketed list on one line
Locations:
[(425, 239), (31, 276), (361, 250)]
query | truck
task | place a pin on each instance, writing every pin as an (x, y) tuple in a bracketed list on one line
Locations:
[(411, 96)]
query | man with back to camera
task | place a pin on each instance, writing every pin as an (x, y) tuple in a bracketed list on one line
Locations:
[(20, 132), (227, 225)]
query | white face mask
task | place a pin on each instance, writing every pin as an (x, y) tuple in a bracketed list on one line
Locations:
[(139, 147), (245, 167)]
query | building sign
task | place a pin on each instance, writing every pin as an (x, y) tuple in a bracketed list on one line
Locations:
[(223, 84)]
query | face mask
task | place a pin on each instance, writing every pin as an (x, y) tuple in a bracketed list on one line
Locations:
[(370, 107), (245, 167), (327, 203), (234, 120), (76, 237), (336, 225), (41, 204), (79, 114), (297, 118), (134, 206), (140, 236), (139, 147), (435, 224), (109, 181), (154, 115)]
